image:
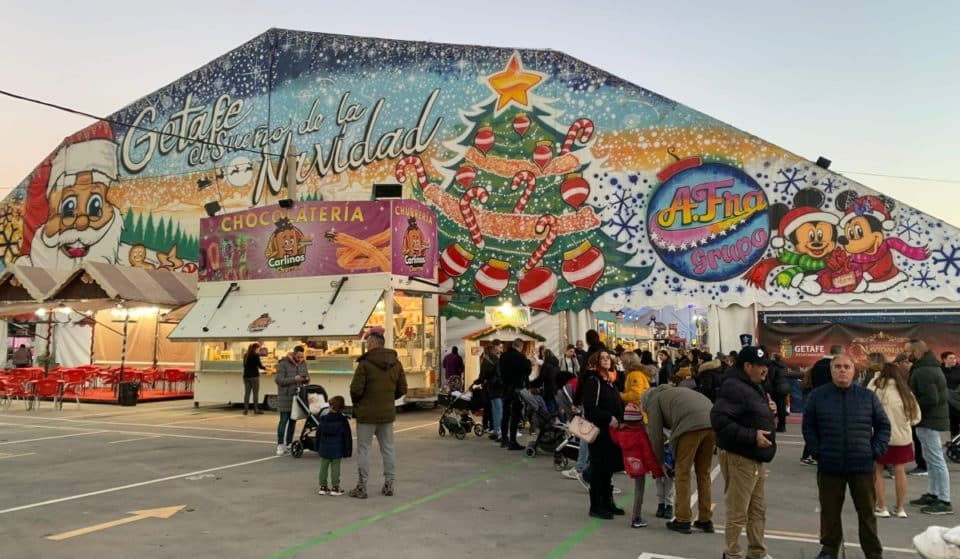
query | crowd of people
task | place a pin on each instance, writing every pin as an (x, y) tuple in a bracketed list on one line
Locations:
[(668, 415)]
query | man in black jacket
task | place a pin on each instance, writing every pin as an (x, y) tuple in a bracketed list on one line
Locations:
[(515, 369), (778, 386), (846, 430), (819, 376), (743, 418), (952, 373)]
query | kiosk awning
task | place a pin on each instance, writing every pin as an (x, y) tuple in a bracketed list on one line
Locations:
[(246, 312)]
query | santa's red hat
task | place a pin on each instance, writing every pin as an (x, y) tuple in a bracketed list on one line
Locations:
[(797, 217), (97, 156), (871, 206)]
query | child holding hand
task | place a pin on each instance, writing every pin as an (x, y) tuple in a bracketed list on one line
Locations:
[(336, 442)]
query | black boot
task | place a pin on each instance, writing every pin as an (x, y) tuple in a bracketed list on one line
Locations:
[(598, 508), (612, 505)]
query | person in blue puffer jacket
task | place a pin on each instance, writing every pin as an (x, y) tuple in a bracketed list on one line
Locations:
[(846, 430)]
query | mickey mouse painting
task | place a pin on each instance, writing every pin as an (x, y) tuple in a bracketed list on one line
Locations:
[(813, 237), (864, 228)]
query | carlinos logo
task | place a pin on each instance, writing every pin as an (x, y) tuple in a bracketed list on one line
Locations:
[(708, 221), (287, 247)]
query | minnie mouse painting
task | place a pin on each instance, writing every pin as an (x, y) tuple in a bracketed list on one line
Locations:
[(864, 228)]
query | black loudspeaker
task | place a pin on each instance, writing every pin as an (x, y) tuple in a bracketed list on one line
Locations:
[(823, 162), (387, 191), (286, 203), (212, 208)]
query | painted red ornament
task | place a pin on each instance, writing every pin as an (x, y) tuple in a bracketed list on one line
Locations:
[(455, 260), (521, 123), (538, 289), (543, 153), (445, 284), (484, 139), (492, 278), (465, 175), (583, 266), (575, 190)]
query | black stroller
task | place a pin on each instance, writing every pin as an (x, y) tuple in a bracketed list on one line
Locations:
[(953, 447), (308, 404), (551, 434), (457, 419)]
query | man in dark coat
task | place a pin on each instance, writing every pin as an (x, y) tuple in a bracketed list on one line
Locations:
[(819, 376), (377, 383), (930, 387), (951, 371), (743, 418), (778, 386), (515, 371), (846, 430)]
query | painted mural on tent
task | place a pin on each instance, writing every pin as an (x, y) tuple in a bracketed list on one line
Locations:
[(557, 186)]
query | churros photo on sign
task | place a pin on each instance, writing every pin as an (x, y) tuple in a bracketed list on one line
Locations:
[(362, 254)]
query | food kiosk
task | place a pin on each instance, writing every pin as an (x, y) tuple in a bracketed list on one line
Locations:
[(318, 274)]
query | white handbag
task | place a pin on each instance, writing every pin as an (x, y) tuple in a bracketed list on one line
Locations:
[(583, 429)]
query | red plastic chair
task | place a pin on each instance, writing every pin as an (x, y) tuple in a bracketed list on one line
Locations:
[(173, 378), (74, 382), (12, 390), (46, 388)]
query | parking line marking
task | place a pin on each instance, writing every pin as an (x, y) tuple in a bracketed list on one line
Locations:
[(354, 526), (133, 485), (813, 538), (4, 455), (54, 437), (137, 439)]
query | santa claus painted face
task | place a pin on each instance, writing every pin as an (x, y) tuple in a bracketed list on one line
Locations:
[(79, 216)]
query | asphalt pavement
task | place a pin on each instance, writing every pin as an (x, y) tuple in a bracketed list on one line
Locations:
[(208, 484)]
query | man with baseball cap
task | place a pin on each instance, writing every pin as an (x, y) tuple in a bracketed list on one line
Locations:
[(744, 419)]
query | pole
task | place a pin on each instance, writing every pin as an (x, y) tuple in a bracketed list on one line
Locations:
[(156, 339), (123, 345), (46, 360)]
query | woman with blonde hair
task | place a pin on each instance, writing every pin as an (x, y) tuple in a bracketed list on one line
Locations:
[(902, 409)]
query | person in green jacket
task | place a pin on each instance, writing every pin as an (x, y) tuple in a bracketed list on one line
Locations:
[(930, 387), (377, 383)]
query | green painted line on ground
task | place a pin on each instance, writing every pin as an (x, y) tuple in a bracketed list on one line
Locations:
[(354, 526), (565, 546)]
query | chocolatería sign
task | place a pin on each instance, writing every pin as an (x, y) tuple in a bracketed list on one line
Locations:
[(318, 239)]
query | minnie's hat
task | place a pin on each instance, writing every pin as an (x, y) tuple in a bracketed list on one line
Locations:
[(871, 206), (797, 217)]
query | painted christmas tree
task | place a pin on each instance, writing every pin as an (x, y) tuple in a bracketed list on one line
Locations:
[(513, 219)]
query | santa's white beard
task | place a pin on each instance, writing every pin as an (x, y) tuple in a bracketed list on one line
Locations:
[(104, 245)]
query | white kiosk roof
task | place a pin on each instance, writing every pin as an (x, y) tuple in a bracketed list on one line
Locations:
[(281, 308)]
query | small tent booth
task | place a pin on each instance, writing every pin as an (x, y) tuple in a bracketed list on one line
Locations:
[(477, 341), (23, 291), (318, 274)]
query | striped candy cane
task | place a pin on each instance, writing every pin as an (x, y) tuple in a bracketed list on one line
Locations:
[(401, 170), (470, 215), (518, 179), (582, 127), (548, 223)]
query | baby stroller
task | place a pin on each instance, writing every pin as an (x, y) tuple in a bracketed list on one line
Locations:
[(953, 447), (569, 448), (551, 433), (309, 403), (456, 417)]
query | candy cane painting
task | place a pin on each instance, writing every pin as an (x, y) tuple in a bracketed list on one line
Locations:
[(521, 178), (581, 130), (401, 170), (470, 215), (547, 223)]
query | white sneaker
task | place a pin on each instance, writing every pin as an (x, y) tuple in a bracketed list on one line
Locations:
[(582, 481), (281, 450), (881, 513), (901, 513), (571, 474)]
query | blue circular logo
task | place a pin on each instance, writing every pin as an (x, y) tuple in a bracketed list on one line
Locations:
[(708, 221)]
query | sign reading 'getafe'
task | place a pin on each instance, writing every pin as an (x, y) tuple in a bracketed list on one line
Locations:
[(318, 239)]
